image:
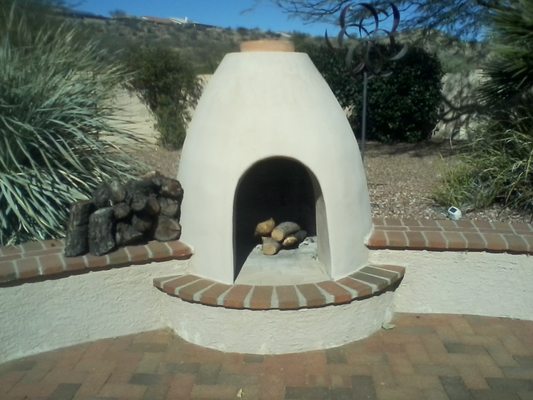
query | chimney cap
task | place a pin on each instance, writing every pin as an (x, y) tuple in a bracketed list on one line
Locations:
[(267, 45)]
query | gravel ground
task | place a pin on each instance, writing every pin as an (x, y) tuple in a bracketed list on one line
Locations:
[(400, 178)]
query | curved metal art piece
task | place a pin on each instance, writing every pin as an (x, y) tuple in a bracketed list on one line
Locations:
[(360, 32)]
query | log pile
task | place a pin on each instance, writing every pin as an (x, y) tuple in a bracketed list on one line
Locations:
[(123, 214), (286, 235)]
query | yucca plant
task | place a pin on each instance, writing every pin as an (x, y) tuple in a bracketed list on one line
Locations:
[(55, 107), (509, 72), (499, 164)]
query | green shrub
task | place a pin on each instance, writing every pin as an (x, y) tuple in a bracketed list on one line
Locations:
[(402, 107), (498, 167), (168, 85), (459, 188), (54, 106)]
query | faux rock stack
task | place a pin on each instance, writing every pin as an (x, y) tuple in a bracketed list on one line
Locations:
[(286, 235), (125, 214)]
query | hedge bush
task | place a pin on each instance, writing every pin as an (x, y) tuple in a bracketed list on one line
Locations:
[(402, 107)]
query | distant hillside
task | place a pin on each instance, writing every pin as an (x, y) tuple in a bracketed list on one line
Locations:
[(206, 45), (456, 56), (203, 46)]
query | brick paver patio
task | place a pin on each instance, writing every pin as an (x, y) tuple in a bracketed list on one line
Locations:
[(423, 357)]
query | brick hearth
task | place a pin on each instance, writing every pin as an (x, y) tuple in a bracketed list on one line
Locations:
[(367, 282)]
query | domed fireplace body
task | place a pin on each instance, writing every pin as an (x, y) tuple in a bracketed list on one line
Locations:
[(269, 138)]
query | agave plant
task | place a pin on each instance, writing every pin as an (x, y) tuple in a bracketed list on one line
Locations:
[(55, 108)]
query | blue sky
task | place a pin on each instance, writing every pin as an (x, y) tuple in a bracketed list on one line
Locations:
[(225, 13)]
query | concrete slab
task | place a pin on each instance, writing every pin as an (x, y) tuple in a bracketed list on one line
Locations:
[(288, 267)]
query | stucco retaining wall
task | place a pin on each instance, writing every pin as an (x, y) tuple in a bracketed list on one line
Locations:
[(478, 283), (43, 308), (42, 316)]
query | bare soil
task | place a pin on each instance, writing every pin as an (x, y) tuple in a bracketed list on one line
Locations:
[(401, 179)]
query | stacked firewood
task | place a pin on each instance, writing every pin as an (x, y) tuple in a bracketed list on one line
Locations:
[(123, 214), (286, 235)]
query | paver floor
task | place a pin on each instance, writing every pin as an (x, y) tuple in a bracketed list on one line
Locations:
[(422, 357)]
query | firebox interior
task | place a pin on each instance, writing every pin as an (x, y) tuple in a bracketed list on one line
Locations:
[(279, 188)]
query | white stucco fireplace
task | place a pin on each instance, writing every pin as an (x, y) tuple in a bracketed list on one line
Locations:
[(269, 139), (268, 119)]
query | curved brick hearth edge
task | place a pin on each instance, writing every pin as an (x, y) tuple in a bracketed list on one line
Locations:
[(44, 260), (369, 281)]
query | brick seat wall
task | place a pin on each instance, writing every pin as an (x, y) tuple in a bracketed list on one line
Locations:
[(446, 235), (43, 260)]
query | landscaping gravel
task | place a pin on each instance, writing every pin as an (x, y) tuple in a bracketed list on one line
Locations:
[(401, 179)]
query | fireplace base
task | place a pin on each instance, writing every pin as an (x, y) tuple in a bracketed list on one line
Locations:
[(278, 319), (275, 331)]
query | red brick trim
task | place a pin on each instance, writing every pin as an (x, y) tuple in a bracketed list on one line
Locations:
[(368, 281), (45, 259), (447, 235)]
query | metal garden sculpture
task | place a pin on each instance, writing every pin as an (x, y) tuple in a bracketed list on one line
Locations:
[(360, 33)]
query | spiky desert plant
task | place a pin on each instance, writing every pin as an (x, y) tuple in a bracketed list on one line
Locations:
[(509, 72), (499, 165), (55, 108)]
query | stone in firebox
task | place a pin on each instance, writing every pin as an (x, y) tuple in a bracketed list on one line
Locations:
[(101, 235), (140, 186), (152, 205), (137, 192), (155, 178), (138, 201)]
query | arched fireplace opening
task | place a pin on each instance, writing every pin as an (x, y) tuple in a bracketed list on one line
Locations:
[(279, 188)]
